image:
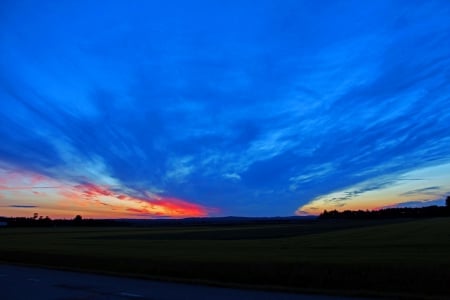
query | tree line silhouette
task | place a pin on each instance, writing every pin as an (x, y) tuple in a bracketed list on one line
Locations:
[(389, 213), (41, 221)]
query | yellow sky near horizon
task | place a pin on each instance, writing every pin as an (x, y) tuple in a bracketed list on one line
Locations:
[(422, 187)]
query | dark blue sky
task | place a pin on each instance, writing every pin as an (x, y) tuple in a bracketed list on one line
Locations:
[(233, 107)]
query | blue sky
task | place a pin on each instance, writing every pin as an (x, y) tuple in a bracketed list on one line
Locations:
[(223, 107)]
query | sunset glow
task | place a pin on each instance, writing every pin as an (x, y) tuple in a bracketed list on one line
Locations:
[(32, 193), (197, 109)]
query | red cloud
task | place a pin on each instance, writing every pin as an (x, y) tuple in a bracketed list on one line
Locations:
[(92, 198), (177, 207), (152, 207), (90, 190), (171, 207)]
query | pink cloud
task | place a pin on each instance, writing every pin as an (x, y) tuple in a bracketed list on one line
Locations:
[(166, 206), (162, 206), (95, 200), (90, 190), (178, 207)]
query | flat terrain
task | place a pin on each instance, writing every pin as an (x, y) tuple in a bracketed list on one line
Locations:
[(408, 258), (18, 283)]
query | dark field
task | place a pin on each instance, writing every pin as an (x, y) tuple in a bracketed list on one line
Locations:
[(407, 258)]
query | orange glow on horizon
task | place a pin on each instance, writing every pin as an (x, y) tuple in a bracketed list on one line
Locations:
[(24, 193), (386, 192)]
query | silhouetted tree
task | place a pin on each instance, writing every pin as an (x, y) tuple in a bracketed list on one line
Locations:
[(447, 202), (77, 219)]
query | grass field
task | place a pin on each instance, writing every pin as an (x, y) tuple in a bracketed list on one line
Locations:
[(361, 257)]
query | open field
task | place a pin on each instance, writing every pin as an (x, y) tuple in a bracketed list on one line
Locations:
[(404, 258)]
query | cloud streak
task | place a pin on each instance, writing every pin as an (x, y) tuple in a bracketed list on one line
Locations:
[(91, 199), (23, 206), (388, 191), (250, 110)]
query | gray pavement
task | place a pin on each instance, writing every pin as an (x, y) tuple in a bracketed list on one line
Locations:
[(17, 283)]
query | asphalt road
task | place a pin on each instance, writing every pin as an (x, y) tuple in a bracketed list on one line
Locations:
[(17, 283)]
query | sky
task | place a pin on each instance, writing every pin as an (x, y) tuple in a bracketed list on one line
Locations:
[(172, 109)]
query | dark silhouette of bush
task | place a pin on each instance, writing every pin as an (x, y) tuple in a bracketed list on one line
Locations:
[(78, 220)]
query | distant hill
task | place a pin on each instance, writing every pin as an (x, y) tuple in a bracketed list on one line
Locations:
[(230, 220)]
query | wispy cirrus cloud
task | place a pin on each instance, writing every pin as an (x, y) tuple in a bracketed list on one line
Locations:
[(91, 199), (388, 191), (431, 190), (254, 110)]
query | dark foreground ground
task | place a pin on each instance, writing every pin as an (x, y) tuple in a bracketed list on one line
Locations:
[(389, 258), (17, 283)]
